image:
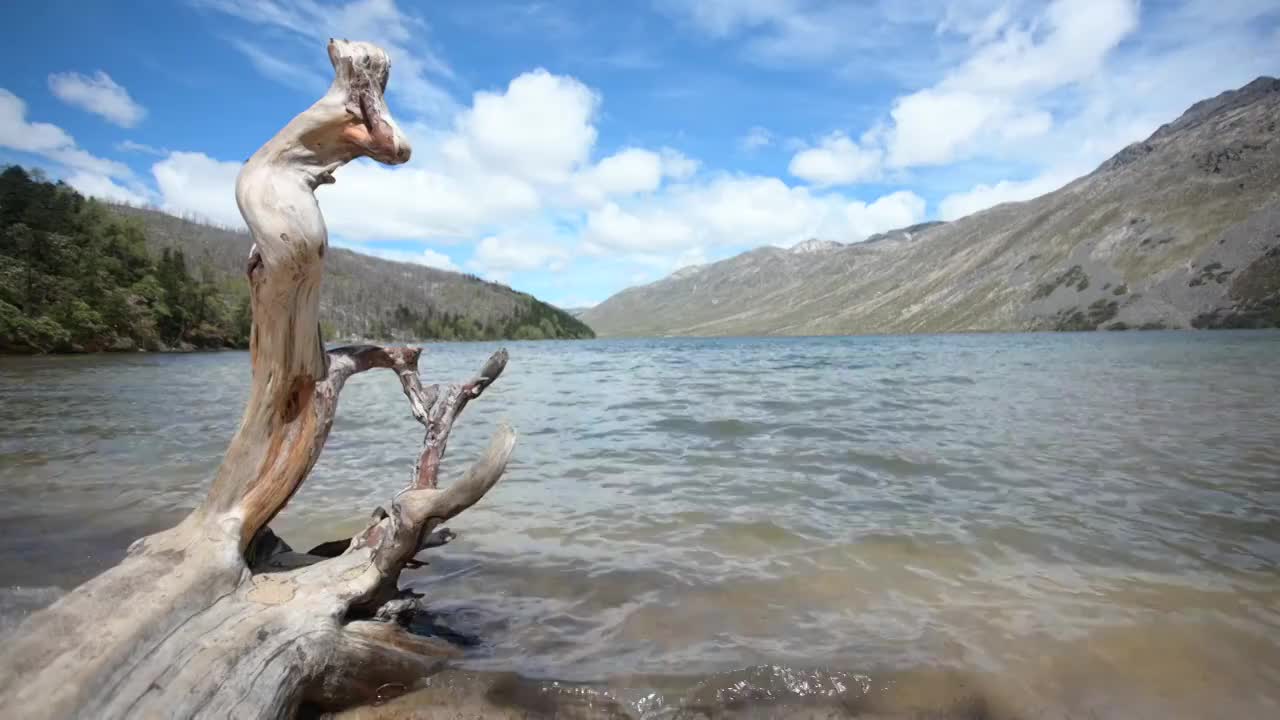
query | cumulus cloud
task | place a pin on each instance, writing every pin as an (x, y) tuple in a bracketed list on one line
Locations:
[(892, 211), (194, 184), (33, 137), (627, 172), (741, 211), (98, 94), (103, 187), (519, 250), (370, 202), (540, 129), (836, 160), (677, 165), (513, 154), (938, 127), (574, 302), (653, 229), (91, 175)]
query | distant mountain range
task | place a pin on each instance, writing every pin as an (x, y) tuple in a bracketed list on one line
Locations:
[(1180, 230), (364, 297)]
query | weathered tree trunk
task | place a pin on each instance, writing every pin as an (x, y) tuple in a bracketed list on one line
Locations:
[(217, 617)]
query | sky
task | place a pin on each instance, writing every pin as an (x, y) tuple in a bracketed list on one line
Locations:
[(571, 149)]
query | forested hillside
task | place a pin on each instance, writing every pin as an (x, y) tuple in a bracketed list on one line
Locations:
[(364, 297), (80, 276), (76, 277)]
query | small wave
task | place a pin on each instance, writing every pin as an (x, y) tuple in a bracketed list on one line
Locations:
[(727, 428)]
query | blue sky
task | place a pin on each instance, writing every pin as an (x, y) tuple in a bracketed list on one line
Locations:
[(571, 149)]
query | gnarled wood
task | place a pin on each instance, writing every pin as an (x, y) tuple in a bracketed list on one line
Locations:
[(218, 616)]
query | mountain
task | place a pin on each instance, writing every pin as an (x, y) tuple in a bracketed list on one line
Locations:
[(368, 297), (1179, 230)]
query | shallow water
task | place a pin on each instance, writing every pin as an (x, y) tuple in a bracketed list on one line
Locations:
[(1082, 525)]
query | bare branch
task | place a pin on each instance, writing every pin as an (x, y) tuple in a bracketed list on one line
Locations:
[(417, 511), (436, 505), (427, 469)]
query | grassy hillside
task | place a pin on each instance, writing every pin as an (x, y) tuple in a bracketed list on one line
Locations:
[(1180, 230)]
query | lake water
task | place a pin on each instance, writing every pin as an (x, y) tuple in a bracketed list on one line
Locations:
[(1083, 525)]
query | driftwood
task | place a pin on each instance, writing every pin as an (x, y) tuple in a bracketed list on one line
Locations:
[(217, 616)]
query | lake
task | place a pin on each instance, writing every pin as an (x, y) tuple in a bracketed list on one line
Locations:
[(1073, 525)]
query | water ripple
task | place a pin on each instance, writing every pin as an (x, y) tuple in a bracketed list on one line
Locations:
[(843, 525)]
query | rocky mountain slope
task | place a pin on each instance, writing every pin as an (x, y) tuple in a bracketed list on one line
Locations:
[(368, 297), (1179, 230)]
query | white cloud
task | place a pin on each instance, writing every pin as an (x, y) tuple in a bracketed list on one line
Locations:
[(836, 161), (426, 256), (541, 129), (515, 251), (91, 175), (98, 94), (677, 165), (627, 172), (18, 134), (370, 202), (574, 302), (690, 258), (992, 101), (938, 127), (1065, 44), (1183, 55), (83, 160), (738, 211), (983, 196), (500, 163), (513, 155), (194, 184), (989, 100), (889, 212), (612, 229), (756, 138), (105, 188)]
